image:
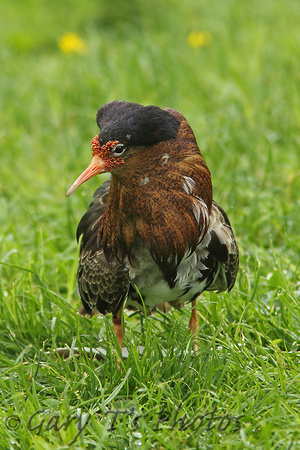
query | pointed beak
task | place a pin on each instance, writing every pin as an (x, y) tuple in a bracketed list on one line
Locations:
[(97, 166)]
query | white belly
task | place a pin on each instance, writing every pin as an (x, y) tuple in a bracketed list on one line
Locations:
[(155, 290)]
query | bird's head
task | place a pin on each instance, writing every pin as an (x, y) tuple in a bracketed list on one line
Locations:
[(124, 128)]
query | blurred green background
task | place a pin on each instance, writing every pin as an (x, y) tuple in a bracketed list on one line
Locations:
[(232, 68)]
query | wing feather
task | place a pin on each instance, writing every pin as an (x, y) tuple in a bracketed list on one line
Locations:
[(102, 285)]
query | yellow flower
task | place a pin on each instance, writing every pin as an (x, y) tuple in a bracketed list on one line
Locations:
[(72, 43), (198, 39)]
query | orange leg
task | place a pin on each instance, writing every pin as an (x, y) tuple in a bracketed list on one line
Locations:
[(117, 321), (193, 323)]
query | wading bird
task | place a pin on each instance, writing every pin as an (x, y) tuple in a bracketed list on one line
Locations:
[(153, 230)]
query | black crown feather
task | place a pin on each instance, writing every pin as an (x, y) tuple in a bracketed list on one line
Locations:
[(135, 125)]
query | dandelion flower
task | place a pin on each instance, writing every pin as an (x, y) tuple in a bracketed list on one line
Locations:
[(198, 39), (72, 43)]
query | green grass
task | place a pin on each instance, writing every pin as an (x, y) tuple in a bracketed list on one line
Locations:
[(241, 96)]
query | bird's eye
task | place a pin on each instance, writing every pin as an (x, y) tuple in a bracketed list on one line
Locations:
[(118, 149)]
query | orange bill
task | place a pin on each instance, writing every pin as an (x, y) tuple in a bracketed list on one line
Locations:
[(97, 166)]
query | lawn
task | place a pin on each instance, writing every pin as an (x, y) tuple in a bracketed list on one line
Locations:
[(233, 69)]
